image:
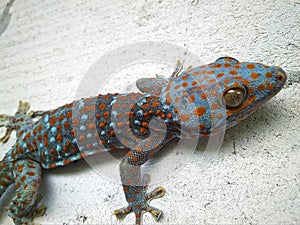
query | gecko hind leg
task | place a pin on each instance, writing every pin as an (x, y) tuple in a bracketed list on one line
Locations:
[(23, 207)]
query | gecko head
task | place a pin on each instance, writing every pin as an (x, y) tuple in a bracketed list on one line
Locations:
[(250, 86), (211, 97)]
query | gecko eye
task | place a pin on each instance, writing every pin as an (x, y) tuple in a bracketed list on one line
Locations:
[(234, 97)]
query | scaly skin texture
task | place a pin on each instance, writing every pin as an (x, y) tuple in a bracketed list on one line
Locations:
[(189, 104)]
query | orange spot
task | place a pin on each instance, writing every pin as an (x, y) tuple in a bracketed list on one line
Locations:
[(200, 111), (184, 77), (177, 86), (220, 75), (40, 128), (167, 88), (237, 66), (192, 98), (91, 126), (30, 173), (194, 83), (203, 96), (58, 138), (20, 168), (67, 161), (168, 97), (254, 75), (106, 114), (246, 82), (226, 65), (75, 122), (214, 106), (46, 140), (102, 106), (268, 75), (67, 125), (250, 90), (219, 115), (196, 73), (61, 117), (233, 72), (261, 87), (218, 65), (81, 138), (184, 117), (270, 86), (145, 106), (250, 66), (185, 84), (212, 81), (69, 114)]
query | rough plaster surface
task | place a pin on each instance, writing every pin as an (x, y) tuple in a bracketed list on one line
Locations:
[(47, 47)]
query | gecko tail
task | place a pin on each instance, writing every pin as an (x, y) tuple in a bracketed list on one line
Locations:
[(6, 175)]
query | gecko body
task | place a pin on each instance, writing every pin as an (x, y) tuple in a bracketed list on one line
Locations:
[(191, 103)]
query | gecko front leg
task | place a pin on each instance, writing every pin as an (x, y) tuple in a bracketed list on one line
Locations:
[(135, 189)]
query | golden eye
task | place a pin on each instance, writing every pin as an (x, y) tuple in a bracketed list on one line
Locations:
[(234, 97)]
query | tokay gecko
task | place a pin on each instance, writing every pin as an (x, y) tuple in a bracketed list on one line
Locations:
[(192, 103)]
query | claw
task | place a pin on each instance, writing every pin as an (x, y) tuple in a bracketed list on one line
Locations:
[(177, 70), (123, 212), (40, 211), (155, 194)]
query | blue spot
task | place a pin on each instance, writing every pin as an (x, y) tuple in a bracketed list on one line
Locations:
[(114, 113), (89, 135), (95, 144), (113, 102), (82, 128), (41, 145), (139, 104), (53, 130), (74, 141), (46, 118), (74, 158), (47, 125), (112, 125), (81, 104), (52, 139), (140, 113), (84, 117), (103, 133), (165, 107), (137, 122), (58, 148)]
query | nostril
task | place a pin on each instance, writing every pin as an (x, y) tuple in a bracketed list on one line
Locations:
[(281, 76)]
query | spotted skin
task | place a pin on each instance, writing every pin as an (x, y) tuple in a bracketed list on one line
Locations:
[(192, 103)]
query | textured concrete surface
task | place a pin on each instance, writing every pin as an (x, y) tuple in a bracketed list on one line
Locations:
[(47, 47)]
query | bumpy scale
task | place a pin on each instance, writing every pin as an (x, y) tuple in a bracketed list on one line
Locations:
[(189, 104)]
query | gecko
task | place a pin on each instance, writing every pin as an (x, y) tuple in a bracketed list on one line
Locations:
[(191, 103)]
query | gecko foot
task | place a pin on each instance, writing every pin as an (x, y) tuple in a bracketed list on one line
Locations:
[(141, 207)]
